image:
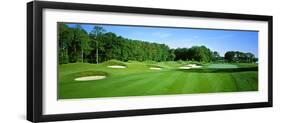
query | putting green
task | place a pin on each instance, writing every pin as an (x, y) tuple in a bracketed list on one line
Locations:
[(222, 66)]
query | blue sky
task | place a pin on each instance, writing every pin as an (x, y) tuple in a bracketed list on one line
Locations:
[(217, 40)]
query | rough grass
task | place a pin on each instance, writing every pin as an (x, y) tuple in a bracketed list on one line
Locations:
[(138, 80)]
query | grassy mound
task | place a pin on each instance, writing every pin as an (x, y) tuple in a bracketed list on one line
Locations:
[(189, 62), (132, 61), (181, 62), (114, 62), (150, 62), (195, 62), (153, 65)]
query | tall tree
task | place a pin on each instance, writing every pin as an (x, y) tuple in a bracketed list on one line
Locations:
[(65, 36), (215, 56), (96, 32), (81, 42), (237, 56), (230, 56)]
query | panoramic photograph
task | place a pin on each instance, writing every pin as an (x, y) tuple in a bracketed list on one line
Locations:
[(103, 60)]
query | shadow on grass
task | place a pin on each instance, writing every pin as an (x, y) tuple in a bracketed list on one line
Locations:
[(219, 70)]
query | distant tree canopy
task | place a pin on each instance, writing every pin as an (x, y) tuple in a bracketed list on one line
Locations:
[(196, 53), (76, 45), (236, 56)]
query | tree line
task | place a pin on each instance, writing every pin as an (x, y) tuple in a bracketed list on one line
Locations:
[(237, 56), (77, 45)]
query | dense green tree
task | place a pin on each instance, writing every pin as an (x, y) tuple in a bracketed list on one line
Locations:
[(250, 57), (65, 36), (76, 45), (215, 56), (73, 43), (172, 55), (84, 39), (230, 56), (95, 34), (236, 56), (182, 54), (196, 53), (201, 53)]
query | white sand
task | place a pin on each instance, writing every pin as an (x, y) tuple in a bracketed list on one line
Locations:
[(186, 67), (190, 66), (116, 66), (87, 78), (155, 68), (196, 66)]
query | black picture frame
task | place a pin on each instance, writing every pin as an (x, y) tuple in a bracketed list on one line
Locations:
[(34, 60)]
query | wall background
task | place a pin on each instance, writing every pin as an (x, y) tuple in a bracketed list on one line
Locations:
[(13, 61)]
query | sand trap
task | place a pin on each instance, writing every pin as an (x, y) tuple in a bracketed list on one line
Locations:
[(196, 66), (155, 68), (88, 78), (116, 66), (190, 66), (186, 67)]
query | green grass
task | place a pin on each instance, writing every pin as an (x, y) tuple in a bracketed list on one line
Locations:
[(222, 66), (138, 80), (113, 62)]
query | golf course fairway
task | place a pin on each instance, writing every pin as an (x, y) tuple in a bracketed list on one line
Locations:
[(137, 79)]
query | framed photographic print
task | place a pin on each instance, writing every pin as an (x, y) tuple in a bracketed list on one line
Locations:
[(95, 61)]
